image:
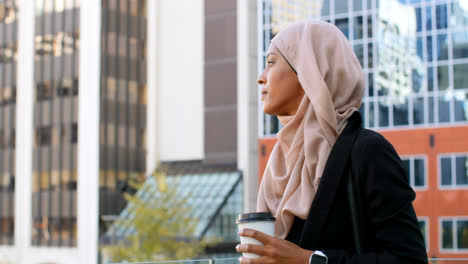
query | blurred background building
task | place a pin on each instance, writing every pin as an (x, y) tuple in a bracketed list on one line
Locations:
[(95, 93), (415, 58), (104, 92)]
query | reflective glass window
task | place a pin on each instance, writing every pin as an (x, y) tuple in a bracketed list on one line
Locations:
[(383, 112), (418, 110), (358, 27), (430, 79), (443, 77), (370, 84), (460, 76), (429, 18), (447, 234), (419, 172), (446, 171), (444, 108), (442, 47), (459, 14), (371, 117), (461, 170), (431, 109), (462, 234), (441, 16), (419, 23), (419, 48), (423, 228), (429, 48), (341, 6), (460, 105), (460, 44), (359, 51), (343, 25), (401, 112)]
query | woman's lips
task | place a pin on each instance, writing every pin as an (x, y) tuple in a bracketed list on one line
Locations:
[(264, 93)]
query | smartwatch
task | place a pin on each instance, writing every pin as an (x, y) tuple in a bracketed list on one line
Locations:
[(318, 258)]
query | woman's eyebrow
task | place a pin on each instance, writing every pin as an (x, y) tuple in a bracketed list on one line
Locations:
[(271, 53)]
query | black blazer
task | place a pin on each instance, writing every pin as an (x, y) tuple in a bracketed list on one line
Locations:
[(388, 223)]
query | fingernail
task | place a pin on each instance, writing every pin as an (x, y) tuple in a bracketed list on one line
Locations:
[(237, 247), (240, 259)]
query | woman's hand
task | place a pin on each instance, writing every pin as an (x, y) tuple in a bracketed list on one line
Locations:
[(273, 251)]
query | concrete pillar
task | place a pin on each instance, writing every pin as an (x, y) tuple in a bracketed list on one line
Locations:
[(247, 99), (88, 130)]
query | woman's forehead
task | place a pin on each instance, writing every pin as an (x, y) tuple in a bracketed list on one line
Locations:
[(272, 50)]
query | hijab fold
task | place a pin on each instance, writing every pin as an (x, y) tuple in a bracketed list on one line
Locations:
[(333, 82)]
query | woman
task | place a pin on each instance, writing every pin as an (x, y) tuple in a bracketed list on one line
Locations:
[(314, 84)]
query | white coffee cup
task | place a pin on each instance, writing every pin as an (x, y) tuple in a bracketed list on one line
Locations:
[(261, 221)]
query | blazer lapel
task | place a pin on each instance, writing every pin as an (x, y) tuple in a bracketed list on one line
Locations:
[(335, 168)]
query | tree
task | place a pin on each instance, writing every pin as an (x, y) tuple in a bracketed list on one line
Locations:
[(159, 225)]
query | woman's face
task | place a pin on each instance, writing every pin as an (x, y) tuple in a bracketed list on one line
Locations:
[(281, 91)]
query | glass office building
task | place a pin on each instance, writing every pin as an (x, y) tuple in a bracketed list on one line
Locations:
[(123, 102), (54, 178), (123, 112), (8, 67), (414, 55), (415, 59), (55, 108)]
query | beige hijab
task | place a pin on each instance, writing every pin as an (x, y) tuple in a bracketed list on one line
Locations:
[(333, 81)]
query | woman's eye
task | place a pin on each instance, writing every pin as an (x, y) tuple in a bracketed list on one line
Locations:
[(269, 62)]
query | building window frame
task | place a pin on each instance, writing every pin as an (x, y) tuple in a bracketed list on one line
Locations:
[(426, 236), (411, 175), (453, 185), (454, 220)]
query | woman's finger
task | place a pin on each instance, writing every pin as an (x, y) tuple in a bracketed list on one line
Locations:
[(260, 236), (252, 248), (261, 260)]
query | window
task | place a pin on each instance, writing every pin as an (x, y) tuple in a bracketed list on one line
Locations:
[(56, 55), (416, 170), (358, 27), (423, 227), (341, 6), (447, 234), (454, 234), (43, 91), (460, 77), (460, 105), (460, 44), (453, 170), (64, 87), (441, 16), (43, 136), (74, 134), (459, 15), (343, 25)]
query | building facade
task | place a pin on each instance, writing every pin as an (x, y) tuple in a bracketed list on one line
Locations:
[(8, 65), (104, 91), (414, 55)]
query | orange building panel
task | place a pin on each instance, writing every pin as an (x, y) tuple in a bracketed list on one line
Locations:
[(432, 202)]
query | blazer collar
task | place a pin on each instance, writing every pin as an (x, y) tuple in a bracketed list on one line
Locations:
[(335, 168)]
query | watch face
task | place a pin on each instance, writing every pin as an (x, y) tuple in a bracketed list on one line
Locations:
[(317, 259)]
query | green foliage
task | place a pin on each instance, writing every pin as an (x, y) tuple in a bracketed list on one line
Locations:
[(161, 225)]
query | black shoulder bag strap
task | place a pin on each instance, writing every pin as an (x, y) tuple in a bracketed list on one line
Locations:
[(354, 213), (353, 206)]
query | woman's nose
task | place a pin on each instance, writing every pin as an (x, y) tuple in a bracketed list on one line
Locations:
[(261, 79)]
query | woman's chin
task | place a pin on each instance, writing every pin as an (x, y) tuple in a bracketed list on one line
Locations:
[(269, 111)]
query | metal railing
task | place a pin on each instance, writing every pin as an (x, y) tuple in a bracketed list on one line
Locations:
[(235, 261)]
